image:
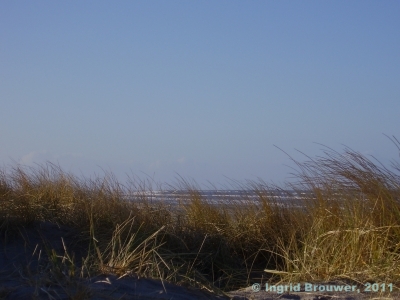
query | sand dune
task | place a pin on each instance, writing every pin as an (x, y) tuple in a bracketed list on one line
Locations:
[(26, 273)]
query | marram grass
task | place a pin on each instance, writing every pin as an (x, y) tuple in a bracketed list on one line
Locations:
[(348, 227)]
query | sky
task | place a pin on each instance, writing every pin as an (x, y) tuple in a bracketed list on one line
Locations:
[(210, 91)]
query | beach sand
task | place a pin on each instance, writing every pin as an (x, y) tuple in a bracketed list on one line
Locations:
[(25, 273)]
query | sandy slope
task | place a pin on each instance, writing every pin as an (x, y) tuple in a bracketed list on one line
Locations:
[(24, 271), (23, 275)]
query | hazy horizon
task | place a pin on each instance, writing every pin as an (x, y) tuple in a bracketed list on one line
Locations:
[(204, 90)]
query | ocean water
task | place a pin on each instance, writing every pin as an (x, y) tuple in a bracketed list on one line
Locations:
[(220, 197)]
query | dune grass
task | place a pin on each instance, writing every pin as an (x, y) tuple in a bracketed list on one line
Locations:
[(348, 226)]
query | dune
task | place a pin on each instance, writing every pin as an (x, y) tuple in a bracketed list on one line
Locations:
[(33, 263)]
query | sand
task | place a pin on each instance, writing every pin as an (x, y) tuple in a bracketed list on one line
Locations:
[(24, 274)]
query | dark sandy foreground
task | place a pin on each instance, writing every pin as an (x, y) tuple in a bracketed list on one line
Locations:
[(25, 274)]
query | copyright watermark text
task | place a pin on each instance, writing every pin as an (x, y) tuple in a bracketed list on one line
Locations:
[(312, 287)]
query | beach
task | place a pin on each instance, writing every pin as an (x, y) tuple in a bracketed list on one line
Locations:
[(28, 272)]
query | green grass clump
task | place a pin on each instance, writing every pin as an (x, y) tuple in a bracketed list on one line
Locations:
[(348, 226)]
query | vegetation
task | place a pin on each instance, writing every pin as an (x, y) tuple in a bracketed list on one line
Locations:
[(348, 226)]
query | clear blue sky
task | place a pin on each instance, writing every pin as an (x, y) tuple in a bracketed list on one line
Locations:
[(203, 89)]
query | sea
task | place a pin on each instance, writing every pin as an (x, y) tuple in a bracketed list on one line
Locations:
[(287, 198)]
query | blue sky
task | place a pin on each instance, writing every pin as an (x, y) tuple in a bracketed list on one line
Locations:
[(203, 89)]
